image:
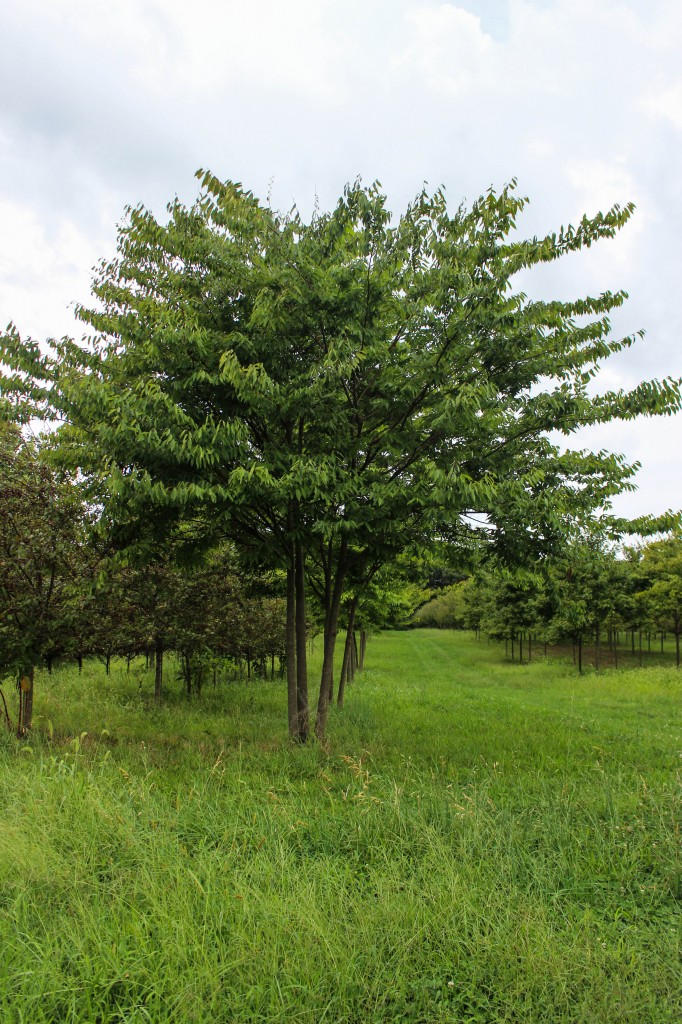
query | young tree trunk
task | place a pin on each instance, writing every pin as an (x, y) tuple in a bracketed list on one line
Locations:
[(107, 665), (347, 653), (331, 624), (80, 663), (363, 648), (640, 648), (301, 647), (512, 645), (580, 655), (596, 654), (530, 648), (521, 648), (158, 672), (292, 696), (26, 700)]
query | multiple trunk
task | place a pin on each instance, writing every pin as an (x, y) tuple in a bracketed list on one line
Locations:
[(349, 663)]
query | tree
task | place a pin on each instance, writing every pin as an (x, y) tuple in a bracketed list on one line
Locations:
[(662, 564), (329, 394)]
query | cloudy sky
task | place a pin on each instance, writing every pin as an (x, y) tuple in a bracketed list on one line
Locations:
[(102, 105)]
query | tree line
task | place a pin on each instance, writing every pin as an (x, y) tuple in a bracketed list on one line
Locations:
[(589, 594)]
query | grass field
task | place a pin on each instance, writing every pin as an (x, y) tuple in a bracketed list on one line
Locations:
[(480, 842)]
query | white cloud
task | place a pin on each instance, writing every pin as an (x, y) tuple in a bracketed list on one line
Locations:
[(103, 104), (448, 50), (42, 274), (665, 103)]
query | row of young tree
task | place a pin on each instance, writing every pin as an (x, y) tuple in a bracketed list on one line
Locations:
[(329, 396), (589, 594), (67, 595)]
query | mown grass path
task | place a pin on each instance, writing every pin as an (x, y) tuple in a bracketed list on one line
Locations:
[(481, 842)]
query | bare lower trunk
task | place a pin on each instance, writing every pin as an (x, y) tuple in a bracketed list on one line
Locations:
[(331, 625), (292, 698), (301, 647), (25, 700), (347, 653)]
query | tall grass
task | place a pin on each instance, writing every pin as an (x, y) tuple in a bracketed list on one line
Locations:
[(480, 842)]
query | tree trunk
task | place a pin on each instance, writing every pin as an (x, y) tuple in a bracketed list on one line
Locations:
[(80, 663), (363, 648), (331, 623), (347, 653), (580, 655), (301, 647), (530, 648), (26, 700), (158, 672), (292, 698)]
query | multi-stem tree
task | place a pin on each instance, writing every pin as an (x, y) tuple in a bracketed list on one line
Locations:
[(328, 394)]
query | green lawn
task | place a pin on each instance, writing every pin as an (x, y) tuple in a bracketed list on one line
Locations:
[(481, 842)]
